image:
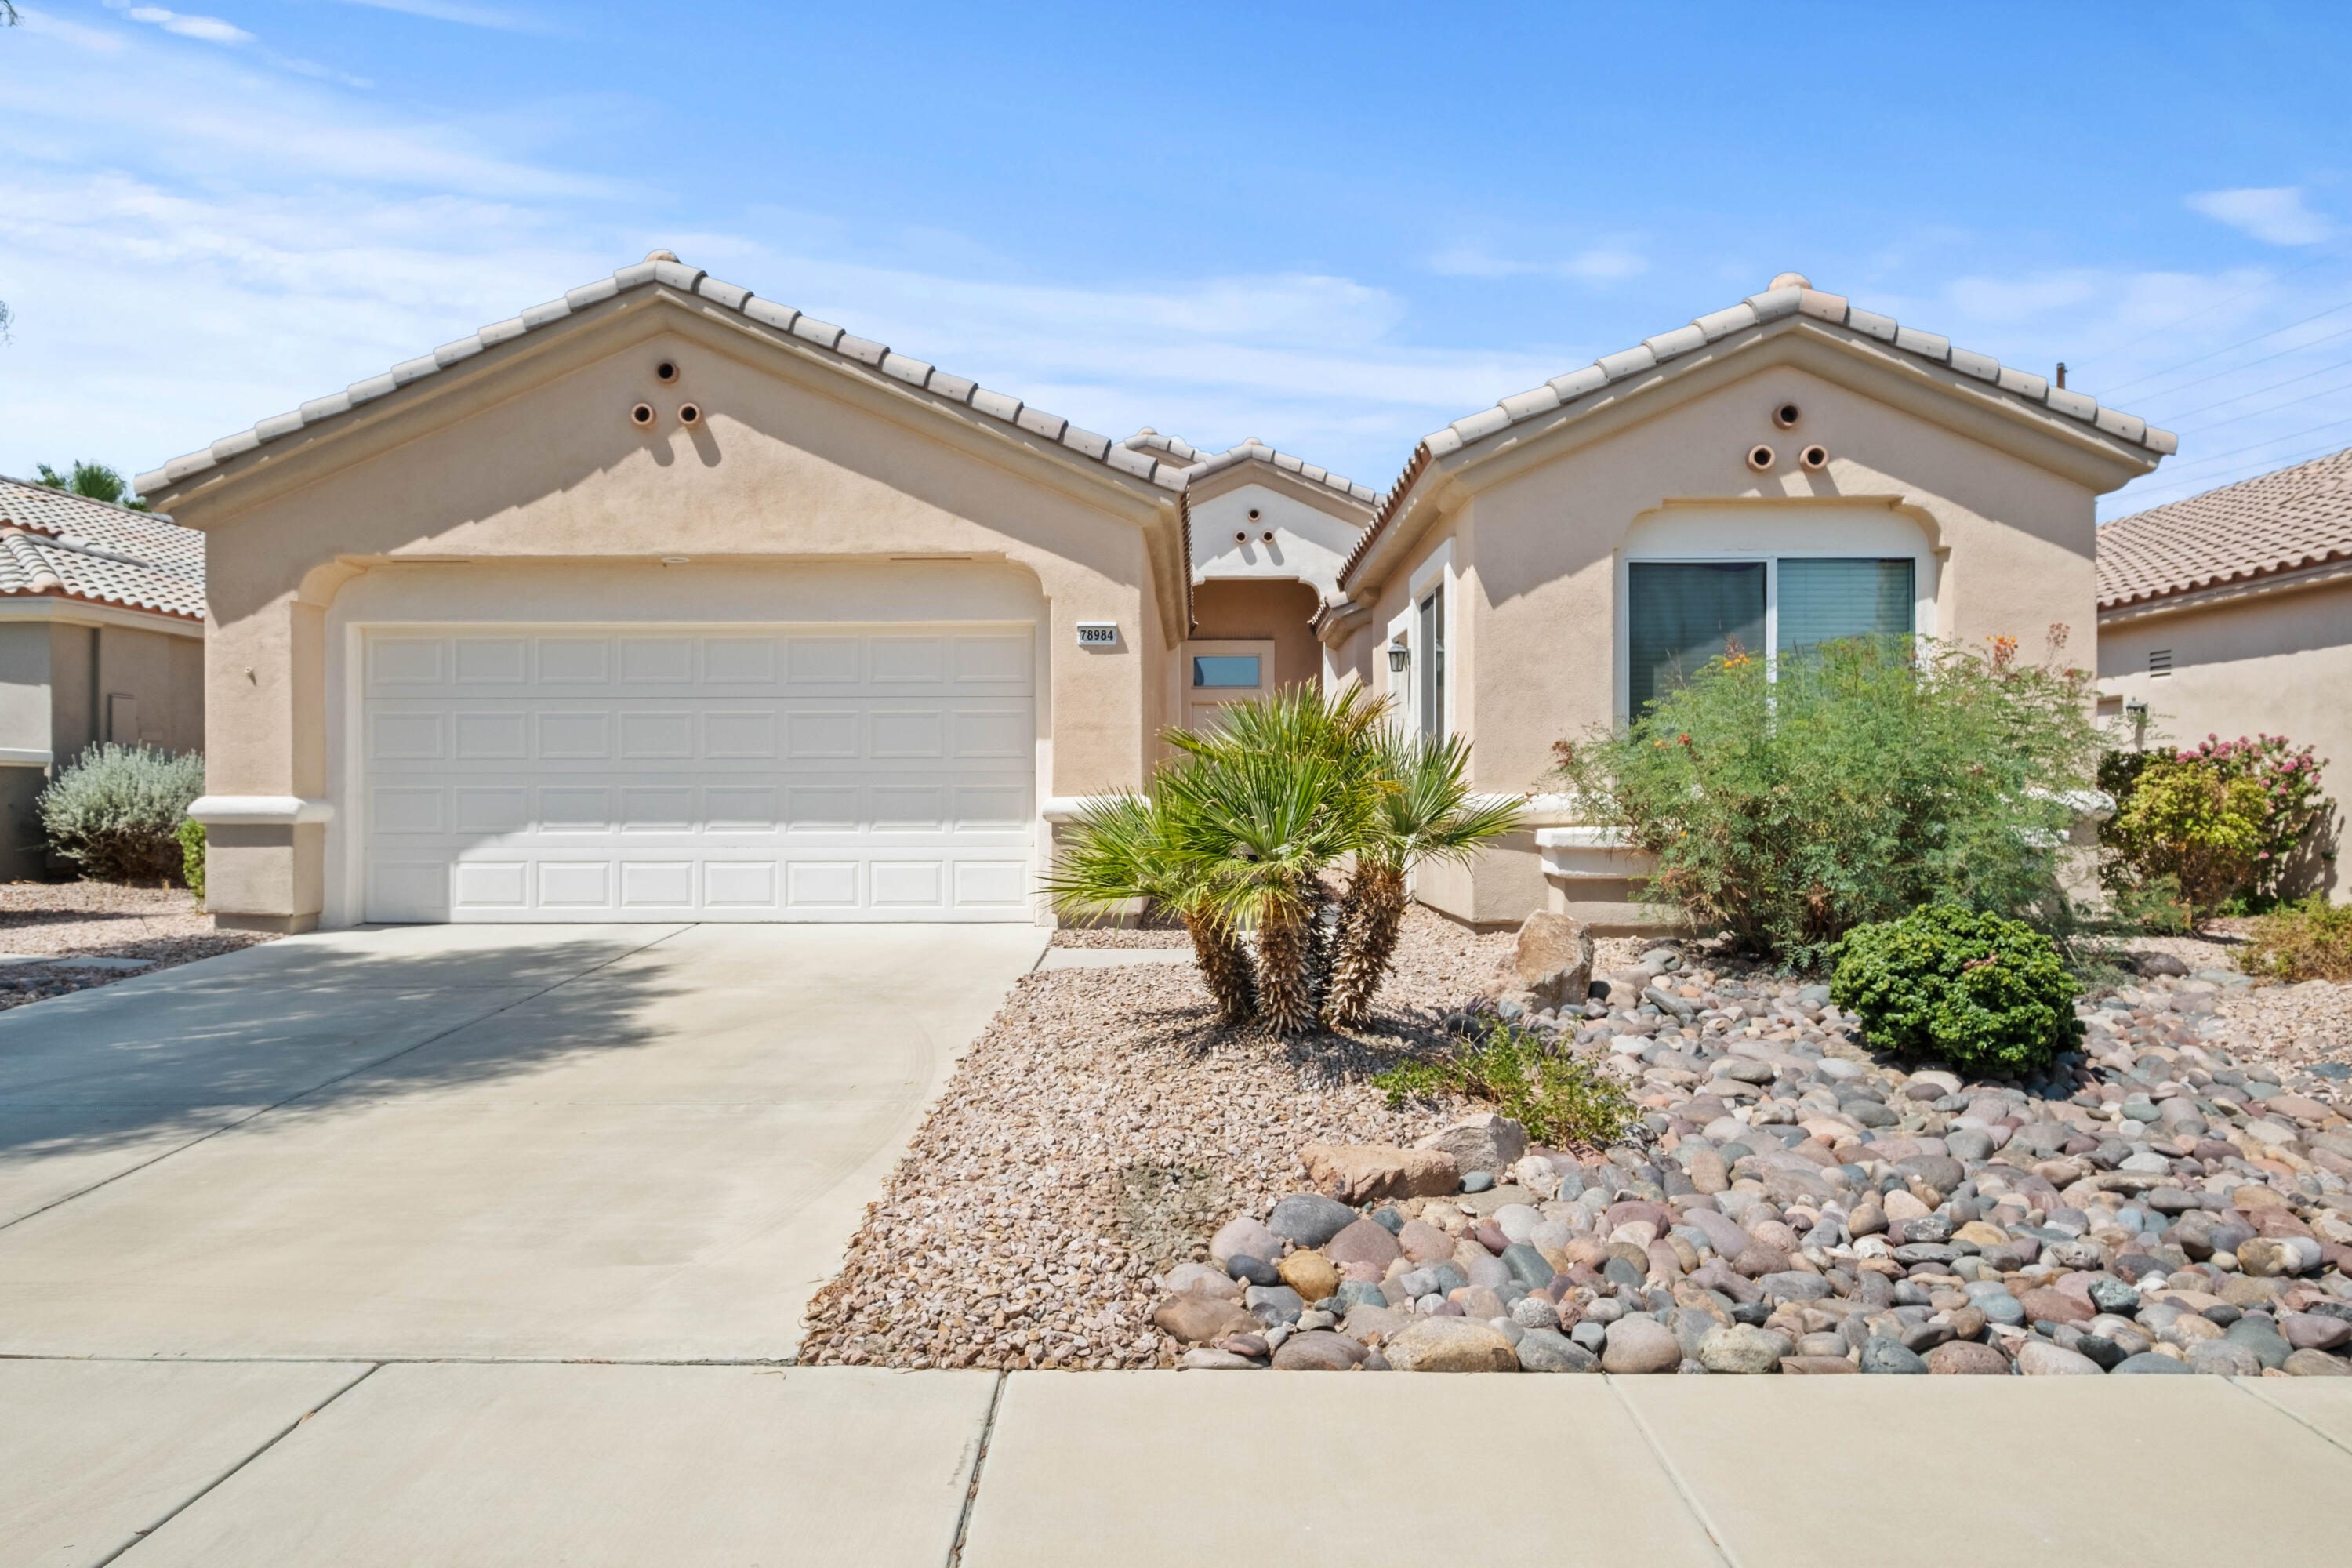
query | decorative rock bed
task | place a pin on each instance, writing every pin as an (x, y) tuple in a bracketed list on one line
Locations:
[(1790, 1206)]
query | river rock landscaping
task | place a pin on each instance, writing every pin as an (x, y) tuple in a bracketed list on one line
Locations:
[(1112, 1181)]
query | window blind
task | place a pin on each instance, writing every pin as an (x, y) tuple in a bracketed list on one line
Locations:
[(1822, 601), (1681, 616)]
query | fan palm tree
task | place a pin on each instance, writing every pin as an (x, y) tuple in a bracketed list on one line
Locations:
[(1241, 829), (1118, 851), (1424, 812)]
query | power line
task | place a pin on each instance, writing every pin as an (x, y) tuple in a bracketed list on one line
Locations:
[(2218, 304), (2143, 499), (2201, 359), (2258, 446), (2273, 408), (2169, 420)]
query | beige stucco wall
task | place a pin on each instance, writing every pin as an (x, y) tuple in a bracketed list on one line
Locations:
[(1537, 543), (2275, 663), (1313, 527), (1261, 608), (532, 463)]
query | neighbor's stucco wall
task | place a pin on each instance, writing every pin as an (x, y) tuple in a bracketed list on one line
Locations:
[(2277, 663), (539, 464), (1533, 622)]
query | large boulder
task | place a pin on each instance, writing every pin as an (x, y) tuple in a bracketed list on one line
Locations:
[(1371, 1173), (1482, 1143), (1551, 966), (1450, 1344)]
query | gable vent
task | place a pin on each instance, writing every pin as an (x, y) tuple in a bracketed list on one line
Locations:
[(2159, 661)]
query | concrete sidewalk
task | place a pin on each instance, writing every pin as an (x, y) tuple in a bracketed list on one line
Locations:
[(464, 1465)]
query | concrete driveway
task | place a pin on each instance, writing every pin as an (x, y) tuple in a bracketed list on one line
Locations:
[(538, 1143)]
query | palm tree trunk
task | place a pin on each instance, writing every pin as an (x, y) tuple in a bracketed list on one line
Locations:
[(1376, 900), (1285, 987), (1225, 967)]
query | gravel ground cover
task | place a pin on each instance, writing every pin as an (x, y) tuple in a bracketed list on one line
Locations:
[(2175, 1199), (154, 928)]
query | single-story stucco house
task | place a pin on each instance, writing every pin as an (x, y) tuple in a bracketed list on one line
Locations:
[(2229, 614), (102, 638), (661, 602), (1788, 471)]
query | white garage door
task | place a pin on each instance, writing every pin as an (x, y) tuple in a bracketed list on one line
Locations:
[(658, 774)]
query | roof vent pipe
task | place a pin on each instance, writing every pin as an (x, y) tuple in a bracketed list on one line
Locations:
[(2062, 375)]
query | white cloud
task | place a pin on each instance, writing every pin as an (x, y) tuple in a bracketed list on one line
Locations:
[(2275, 215), (1607, 263), (211, 29), (494, 17)]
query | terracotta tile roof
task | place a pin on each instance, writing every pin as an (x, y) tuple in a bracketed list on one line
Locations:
[(1203, 464), (2275, 522), (664, 267), (1789, 297), (58, 544)]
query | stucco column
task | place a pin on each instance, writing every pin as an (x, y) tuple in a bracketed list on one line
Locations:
[(264, 808)]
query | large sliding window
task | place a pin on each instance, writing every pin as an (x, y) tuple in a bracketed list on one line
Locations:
[(1680, 614)]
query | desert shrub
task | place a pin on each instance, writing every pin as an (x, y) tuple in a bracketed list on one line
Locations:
[(1558, 1097), (2307, 941), (1961, 986), (191, 856), (2227, 821), (1857, 782), (116, 810)]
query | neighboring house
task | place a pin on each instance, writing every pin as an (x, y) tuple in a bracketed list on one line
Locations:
[(102, 638), (2230, 614), (1788, 470), (1268, 534), (661, 602)]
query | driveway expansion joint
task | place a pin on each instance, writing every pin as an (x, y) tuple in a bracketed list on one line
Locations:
[(978, 1461), (1674, 1473)]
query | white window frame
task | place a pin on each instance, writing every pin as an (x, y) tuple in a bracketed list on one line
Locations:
[(1923, 604), (1436, 571)]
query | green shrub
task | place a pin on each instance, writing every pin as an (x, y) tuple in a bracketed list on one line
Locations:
[(1860, 780), (1944, 983), (2307, 941), (116, 811), (191, 856), (1558, 1098)]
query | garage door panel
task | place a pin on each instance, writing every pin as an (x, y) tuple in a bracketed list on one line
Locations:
[(613, 773)]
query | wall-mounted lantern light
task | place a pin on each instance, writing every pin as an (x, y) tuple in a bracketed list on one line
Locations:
[(1400, 657), (2136, 712)]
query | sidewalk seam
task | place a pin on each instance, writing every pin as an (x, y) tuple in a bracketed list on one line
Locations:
[(141, 1537), (979, 1458), (2248, 1387), (1682, 1488), (328, 1083)]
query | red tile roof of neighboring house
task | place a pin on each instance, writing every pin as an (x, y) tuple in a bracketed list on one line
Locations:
[(2281, 522), (53, 541)]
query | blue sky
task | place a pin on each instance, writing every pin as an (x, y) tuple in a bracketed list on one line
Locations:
[(1334, 227)]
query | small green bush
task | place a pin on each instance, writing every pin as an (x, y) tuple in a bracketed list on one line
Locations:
[(1946, 983), (1558, 1098), (116, 811), (2229, 825), (191, 856), (2307, 941)]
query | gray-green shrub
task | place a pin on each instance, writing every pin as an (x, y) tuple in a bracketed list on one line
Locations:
[(115, 811), (1868, 778)]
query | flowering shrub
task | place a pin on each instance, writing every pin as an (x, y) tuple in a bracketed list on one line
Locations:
[(2216, 825)]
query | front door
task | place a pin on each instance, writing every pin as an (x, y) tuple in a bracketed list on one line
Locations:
[(1221, 671)]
